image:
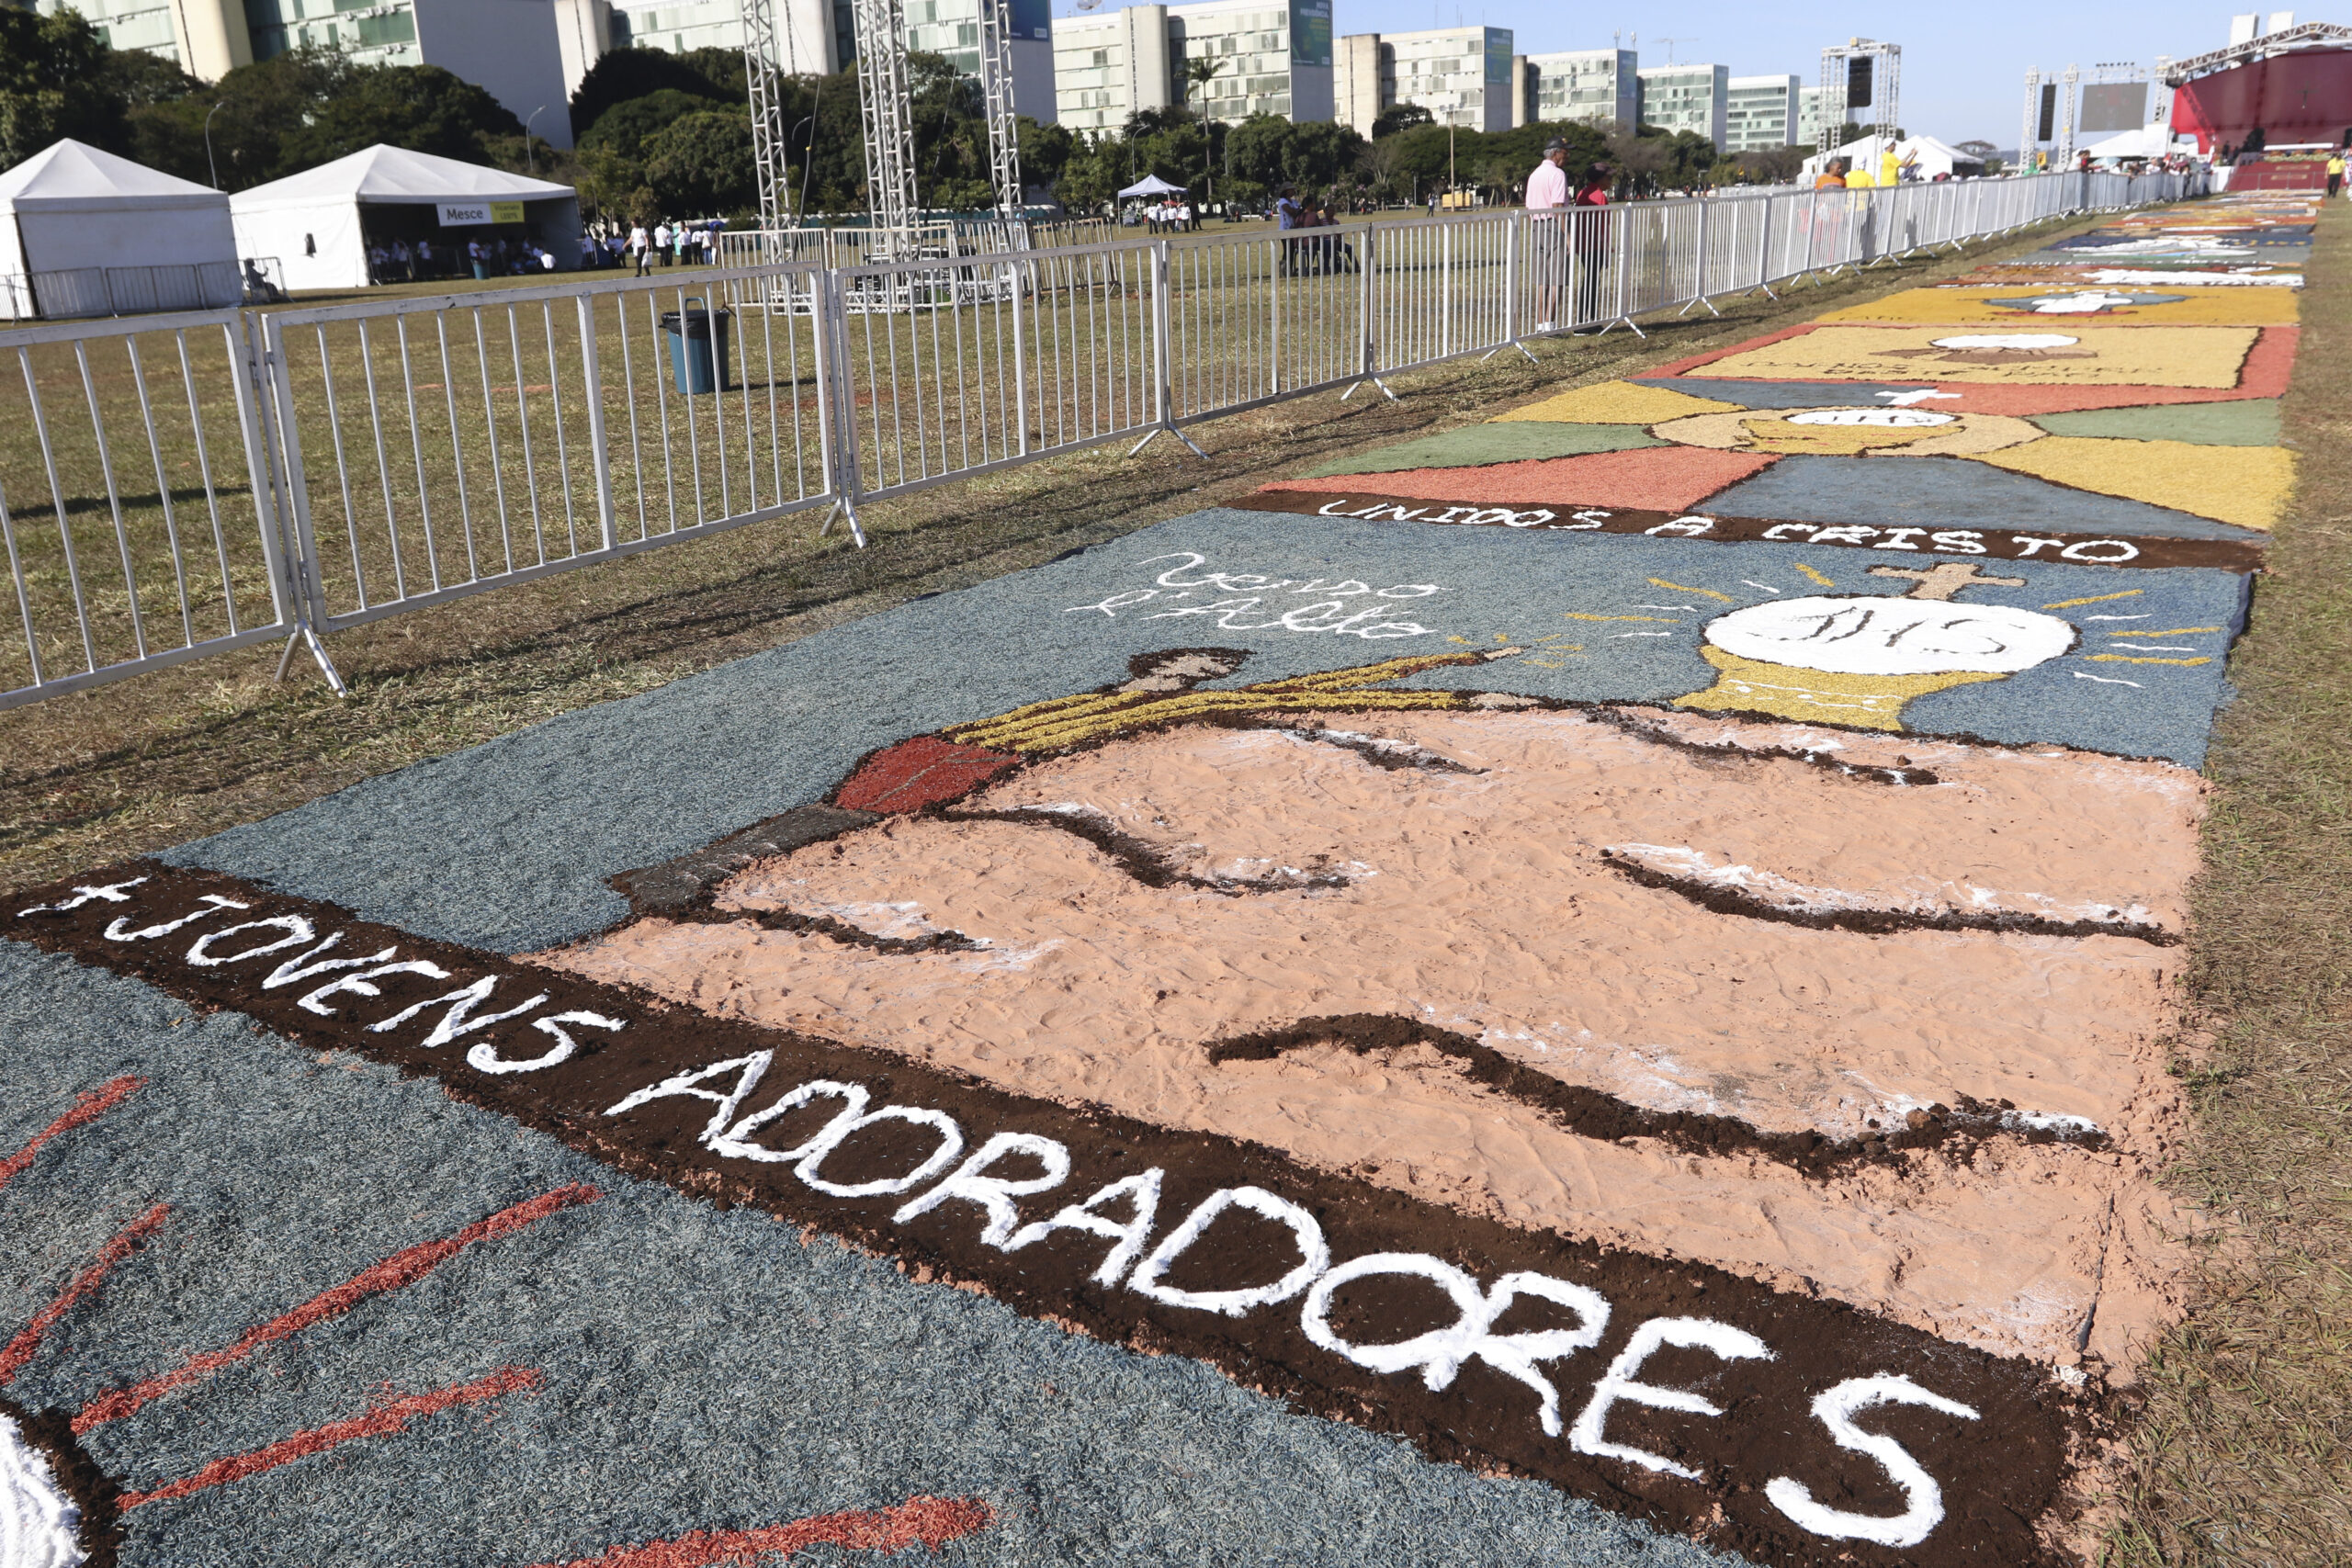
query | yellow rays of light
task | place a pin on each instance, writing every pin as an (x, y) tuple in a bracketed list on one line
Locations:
[(1814, 575), (1679, 588), (2095, 599), (2176, 631), (1576, 615), (2127, 659)]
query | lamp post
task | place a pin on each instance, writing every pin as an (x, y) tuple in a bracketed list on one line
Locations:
[(213, 168), (530, 162), (807, 161)]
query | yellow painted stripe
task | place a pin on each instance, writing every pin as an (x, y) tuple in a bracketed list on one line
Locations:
[(1573, 616), (1661, 582), (1814, 575), (2095, 599), (2127, 659)]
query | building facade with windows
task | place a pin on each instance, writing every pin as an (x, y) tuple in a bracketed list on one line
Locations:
[(1269, 58), (508, 48), (1821, 117), (1761, 112), (1597, 87), (1686, 98), (1461, 76)]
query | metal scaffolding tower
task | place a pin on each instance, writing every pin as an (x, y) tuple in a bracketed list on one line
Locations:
[(883, 98), (1885, 79), (996, 95), (768, 134), (2029, 133)]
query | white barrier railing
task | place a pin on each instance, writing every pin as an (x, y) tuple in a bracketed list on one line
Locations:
[(317, 468)]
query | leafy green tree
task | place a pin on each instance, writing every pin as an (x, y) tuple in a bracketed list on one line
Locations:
[(54, 83), (1400, 117), (421, 108), (622, 74), (701, 166), (1045, 151), (627, 127), (1274, 152)]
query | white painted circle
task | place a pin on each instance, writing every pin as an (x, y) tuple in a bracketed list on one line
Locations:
[(1874, 635), (1877, 419), (2009, 339)]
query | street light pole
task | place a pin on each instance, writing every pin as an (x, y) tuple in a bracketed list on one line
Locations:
[(211, 166), (530, 163)]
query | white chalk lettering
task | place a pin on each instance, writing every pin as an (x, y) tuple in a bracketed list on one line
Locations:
[(1898, 539), (1620, 1383), (118, 930), (2081, 550), (748, 1070), (1959, 541), (994, 1193), (1315, 1256), (1141, 1190), (951, 1144), (1844, 534), (2028, 546), (111, 893), (1780, 530), (1684, 525), (1440, 1353), (1835, 1409), (459, 1018), (298, 931), (364, 982), (300, 967), (484, 1058), (736, 1142)]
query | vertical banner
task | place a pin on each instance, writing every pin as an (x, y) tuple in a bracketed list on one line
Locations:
[(2049, 112), (1858, 82)]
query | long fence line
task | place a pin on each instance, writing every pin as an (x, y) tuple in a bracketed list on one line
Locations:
[(174, 486)]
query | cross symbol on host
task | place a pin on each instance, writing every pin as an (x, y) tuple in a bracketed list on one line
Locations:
[(1945, 578)]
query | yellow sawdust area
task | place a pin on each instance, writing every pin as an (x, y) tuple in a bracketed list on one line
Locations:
[(2225, 307), (1615, 403), (2244, 485), (1814, 696), (2100, 356)]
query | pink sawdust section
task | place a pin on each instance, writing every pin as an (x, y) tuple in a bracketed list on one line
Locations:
[(1649, 479), (89, 1107), (401, 1268), (2268, 366), (381, 1421), (919, 773), (930, 1522), (22, 1347)]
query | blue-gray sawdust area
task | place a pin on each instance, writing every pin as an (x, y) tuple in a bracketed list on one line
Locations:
[(507, 845), (700, 1370)]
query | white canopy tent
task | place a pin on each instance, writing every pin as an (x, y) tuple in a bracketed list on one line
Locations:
[(321, 222), (1927, 157), (2148, 142), (1151, 185), (90, 234)]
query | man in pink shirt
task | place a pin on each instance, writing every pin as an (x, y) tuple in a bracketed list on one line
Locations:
[(1547, 198)]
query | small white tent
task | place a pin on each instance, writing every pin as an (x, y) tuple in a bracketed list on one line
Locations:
[(72, 215), (319, 223), (1926, 156), (1150, 185)]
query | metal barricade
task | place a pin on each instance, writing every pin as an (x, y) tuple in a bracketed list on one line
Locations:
[(136, 501)]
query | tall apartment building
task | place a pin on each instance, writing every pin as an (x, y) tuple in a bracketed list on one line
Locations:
[(1821, 115), (1597, 87), (1272, 58), (508, 48), (1686, 98), (817, 37), (1461, 76), (1761, 112)]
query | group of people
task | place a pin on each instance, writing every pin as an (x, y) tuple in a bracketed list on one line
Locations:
[(1310, 253), (1845, 174), (1567, 253), (1172, 216), (403, 261), (665, 243)]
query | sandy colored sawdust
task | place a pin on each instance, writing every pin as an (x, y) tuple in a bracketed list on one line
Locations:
[(1973, 303), (1479, 901), (2207, 357), (1614, 402), (1657, 479), (2244, 485), (1770, 430)]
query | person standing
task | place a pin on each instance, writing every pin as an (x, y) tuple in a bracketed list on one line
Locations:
[(1592, 241), (1890, 167), (661, 239), (1287, 216), (637, 244), (2335, 171), (1833, 176), (1547, 199)]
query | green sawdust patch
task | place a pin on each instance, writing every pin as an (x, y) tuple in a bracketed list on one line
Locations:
[(1476, 446), (2251, 422)]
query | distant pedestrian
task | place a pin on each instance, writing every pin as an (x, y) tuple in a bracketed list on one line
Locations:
[(2335, 171), (1833, 176), (638, 242), (1591, 241), (479, 257), (1288, 216), (661, 239), (1547, 198)]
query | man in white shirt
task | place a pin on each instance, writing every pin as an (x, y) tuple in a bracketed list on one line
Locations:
[(637, 243), (661, 239), (1547, 198)]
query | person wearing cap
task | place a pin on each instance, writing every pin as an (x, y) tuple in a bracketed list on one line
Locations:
[(1547, 198)]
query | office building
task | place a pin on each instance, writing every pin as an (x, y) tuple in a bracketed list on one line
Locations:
[(1686, 98), (1597, 87), (1761, 112), (1461, 76), (816, 37), (1815, 106), (508, 48), (1270, 58)]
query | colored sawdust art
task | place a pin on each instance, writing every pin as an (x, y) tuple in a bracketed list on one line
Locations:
[(2164, 305), (2244, 485), (2082, 354), (1659, 479)]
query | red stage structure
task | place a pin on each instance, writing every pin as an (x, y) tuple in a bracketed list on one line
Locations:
[(2304, 97)]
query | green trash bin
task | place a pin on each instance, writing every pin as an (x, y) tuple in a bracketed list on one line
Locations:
[(697, 338)]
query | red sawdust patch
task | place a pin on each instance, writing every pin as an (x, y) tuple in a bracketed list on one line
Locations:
[(88, 1108), (1655, 478), (923, 772), (929, 1522)]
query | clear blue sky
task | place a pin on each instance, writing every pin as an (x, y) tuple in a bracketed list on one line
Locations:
[(1963, 65)]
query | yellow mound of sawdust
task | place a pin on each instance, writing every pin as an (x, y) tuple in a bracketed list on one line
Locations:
[(2228, 307), (2244, 485), (1616, 403)]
